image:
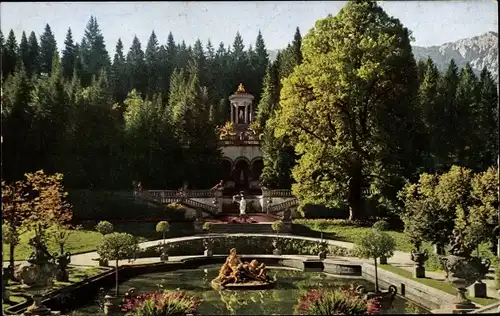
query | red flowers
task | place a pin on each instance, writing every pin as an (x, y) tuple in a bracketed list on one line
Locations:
[(161, 303), (344, 301), (241, 220)]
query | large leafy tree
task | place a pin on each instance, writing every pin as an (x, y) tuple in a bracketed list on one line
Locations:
[(349, 106)]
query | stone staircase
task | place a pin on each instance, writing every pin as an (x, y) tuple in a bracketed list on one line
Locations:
[(242, 228), (164, 197)]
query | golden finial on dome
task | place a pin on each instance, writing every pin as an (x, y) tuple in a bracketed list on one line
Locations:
[(241, 89)]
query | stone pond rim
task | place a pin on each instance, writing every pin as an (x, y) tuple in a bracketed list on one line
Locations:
[(252, 285)]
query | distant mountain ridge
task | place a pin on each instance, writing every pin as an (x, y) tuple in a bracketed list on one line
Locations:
[(479, 51)]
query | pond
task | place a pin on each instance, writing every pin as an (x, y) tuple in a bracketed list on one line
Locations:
[(278, 301)]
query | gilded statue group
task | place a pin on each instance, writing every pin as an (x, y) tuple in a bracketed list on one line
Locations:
[(236, 271)]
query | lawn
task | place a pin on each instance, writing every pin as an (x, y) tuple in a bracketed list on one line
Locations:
[(86, 239), (437, 284), (344, 231)]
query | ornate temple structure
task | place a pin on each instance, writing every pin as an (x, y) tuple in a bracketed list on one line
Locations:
[(240, 144), (239, 140)]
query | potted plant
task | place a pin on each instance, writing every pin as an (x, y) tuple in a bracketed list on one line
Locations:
[(162, 227), (322, 249), (104, 228), (208, 242), (277, 226), (373, 245), (118, 246), (381, 225)]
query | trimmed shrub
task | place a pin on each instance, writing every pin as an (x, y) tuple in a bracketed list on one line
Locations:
[(250, 245), (381, 225)]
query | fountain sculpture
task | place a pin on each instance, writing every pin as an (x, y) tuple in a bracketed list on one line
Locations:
[(235, 274), (37, 275)]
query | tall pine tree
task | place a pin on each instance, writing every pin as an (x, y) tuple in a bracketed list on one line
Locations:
[(68, 56), (33, 66), (48, 47)]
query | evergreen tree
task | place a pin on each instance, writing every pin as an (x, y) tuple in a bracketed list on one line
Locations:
[(49, 100), (432, 111), (270, 95), (447, 95), (33, 66), (136, 68), (487, 120), (17, 118), (68, 56), (466, 112), (94, 53), (152, 64), (119, 80), (24, 51), (2, 55), (48, 47), (190, 110), (10, 55)]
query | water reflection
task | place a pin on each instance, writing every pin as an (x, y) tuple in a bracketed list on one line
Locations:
[(290, 284)]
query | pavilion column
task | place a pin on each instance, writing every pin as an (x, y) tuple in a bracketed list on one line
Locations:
[(251, 112), (246, 114), (232, 112)]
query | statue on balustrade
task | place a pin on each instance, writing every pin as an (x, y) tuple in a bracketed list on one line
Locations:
[(242, 202)]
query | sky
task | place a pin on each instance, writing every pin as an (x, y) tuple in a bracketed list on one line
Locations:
[(432, 22)]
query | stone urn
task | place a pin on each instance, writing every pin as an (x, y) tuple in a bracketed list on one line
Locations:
[(276, 251), (480, 290), (322, 249), (103, 262), (164, 253), (419, 258), (209, 245), (36, 279), (462, 272), (386, 298), (383, 260)]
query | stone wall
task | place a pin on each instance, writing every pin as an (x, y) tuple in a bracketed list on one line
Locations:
[(422, 294)]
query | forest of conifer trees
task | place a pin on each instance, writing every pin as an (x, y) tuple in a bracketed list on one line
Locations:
[(105, 121)]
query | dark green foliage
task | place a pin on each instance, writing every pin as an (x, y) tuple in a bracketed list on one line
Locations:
[(48, 47), (249, 245), (95, 58), (33, 64), (68, 56), (83, 117), (9, 55)]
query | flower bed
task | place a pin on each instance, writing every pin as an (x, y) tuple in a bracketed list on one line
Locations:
[(160, 303), (344, 301), (240, 220)]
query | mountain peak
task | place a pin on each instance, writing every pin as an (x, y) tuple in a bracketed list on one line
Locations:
[(480, 51)]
